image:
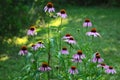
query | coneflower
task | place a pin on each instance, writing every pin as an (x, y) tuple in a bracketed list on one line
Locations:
[(62, 13), (110, 70), (34, 47), (87, 23), (39, 45), (97, 58), (93, 33), (64, 51), (103, 65), (79, 55), (70, 41), (23, 50), (32, 31), (49, 7), (44, 67), (73, 70), (67, 36)]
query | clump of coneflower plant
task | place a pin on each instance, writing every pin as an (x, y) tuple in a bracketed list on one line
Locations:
[(41, 63)]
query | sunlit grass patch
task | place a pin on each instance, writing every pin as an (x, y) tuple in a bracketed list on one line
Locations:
[(19, 41), (4, 57), (56, 22)]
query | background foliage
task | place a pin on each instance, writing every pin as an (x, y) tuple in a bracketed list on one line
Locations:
[(16, 14)]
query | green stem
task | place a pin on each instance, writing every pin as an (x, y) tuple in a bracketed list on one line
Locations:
[(73, 77), (49, 55), (59, 41), (48, 76), (70, 48), (60, 33)]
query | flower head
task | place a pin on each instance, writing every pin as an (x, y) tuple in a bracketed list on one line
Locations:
[(73, 70), (79, 55), (39, 45), (34, 47), (110, 70), (23, 50), (64, 51), (87, 23), (49, 7), (97, 58), (70, 41), (62, 13), (96, 54), (103, 65), (32, 31), (67, 36), (93, 32), (44, 67)]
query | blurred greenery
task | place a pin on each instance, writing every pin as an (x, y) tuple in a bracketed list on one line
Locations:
[(16, 16)]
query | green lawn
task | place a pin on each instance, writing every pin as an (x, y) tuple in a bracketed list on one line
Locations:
[(105, 20)]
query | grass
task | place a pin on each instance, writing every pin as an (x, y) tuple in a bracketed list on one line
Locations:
[(106, 20)]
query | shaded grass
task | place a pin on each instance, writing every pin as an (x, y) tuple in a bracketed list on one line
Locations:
[(105, 20)]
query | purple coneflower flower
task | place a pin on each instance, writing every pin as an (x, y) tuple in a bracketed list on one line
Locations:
[(62, 13), (49, 7), (103, 65), (79, 55), (97, 58), (87, 23), (73, 70), (34, 47), (93, 32), (64, 51), (67, 36), (97, 53), (44, 67), (23, 50), (32, 31), (70, 41), (39, 45), (110, 70)]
